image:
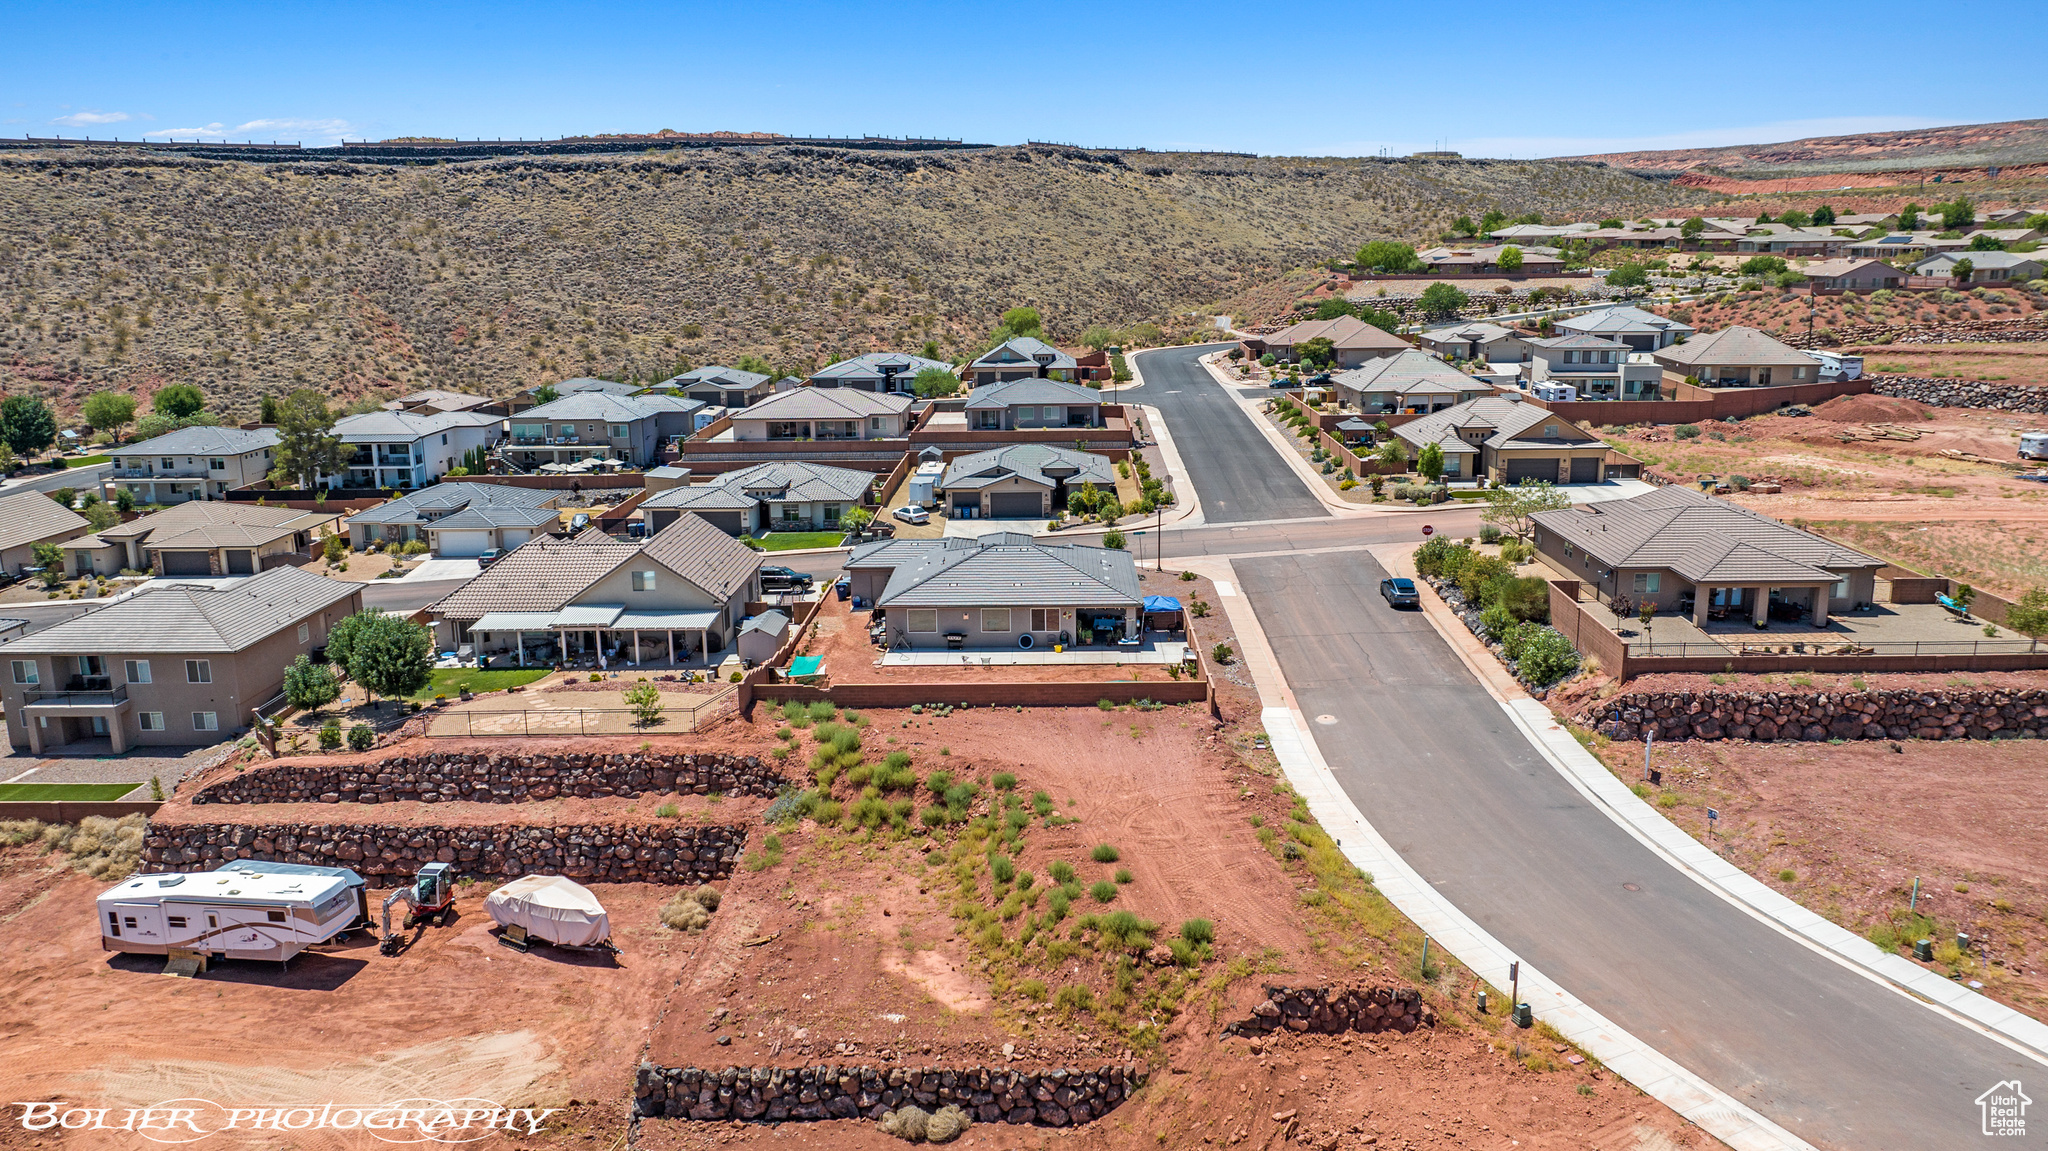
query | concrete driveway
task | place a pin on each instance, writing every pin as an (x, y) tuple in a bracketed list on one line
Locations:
[(438, 568)]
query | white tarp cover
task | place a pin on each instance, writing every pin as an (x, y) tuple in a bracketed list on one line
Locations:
[(552, 908)]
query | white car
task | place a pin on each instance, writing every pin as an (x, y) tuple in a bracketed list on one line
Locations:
[(912, 514)]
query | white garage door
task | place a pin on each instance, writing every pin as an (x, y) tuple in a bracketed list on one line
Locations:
[(464, 543), (515, 536)]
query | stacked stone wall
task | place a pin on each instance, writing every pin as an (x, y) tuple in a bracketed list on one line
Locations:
[(602, 853), (1330, 1010), (1061, 1097), (496, 777), (1814, 716)]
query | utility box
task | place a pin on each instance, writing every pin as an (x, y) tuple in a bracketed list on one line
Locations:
[(1524, 1017), (1923, 950)]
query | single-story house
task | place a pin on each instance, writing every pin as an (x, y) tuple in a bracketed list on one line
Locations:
[(1986, 267), (1002, 590), (1020, 358), (1739, 357), (1486, 260), (1850, 274), (1356, 341), (826, 413), (1597, 367), (202, 538), (504, 518), (1509, 439), (1641, 330), (781, 496), (29, 518), (171, 665), (1794, 242), (1477, 340), (1411, 381), (677, 597), (429, 400), (1033, 403), (722, 387), (1020, 481), (1895, 248), (1675, 545), (1539, 233), (876, 372)]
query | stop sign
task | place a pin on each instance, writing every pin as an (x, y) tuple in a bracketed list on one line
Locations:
[(1428, 531)]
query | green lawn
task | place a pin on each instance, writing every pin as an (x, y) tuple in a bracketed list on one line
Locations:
[(450, 681), (793, 541), (73, 792), (84, 461)]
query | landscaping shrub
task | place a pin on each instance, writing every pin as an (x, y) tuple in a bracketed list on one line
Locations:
[(1488, 534), (1103, 891), (1546, 655), (330, 737), (1062, 872), (1440, 558), (361, 738), (1104, 853), (1685, 432)]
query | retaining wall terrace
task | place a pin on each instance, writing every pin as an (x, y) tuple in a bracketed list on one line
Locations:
[(1329, 1010), (1954, 393), (1057, 1098), (1814, 716), (604, 853), (492, 777)]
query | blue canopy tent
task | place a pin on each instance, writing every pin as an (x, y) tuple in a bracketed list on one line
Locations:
[(1162, 613)]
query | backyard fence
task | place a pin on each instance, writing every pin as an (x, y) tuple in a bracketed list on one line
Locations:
[(1639, 649), (520, 723)]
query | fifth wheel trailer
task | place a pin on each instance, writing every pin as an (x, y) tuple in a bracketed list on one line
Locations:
[(239, 914)]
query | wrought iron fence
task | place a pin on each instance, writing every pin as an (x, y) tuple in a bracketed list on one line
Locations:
[(1694, 649), (485, 723)]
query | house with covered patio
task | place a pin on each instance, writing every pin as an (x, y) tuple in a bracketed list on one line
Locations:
[(999, 591), (1739, 357), (1706, 558), (675, 600)]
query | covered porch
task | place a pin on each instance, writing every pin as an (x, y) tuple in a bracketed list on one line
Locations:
[(56, 718), (600, 636)]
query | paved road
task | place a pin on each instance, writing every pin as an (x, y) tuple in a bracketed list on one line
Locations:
[(1208, 430), (80, 478), (1439, 769)]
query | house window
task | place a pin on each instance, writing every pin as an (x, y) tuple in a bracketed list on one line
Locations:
[(25, 671), (643, 581), (1550, 431), (789, 513), (151, 720), (216, 465), (1841, 588), (831, 515), (1045, 619), (995, 619), (169, 463), (137, 670), (1798, 373), (1647, 583), (618, 431), (1567, 550), (305, 632), (205, 721), (1571, 357), (198, 671), (875, 424), (922, 619)]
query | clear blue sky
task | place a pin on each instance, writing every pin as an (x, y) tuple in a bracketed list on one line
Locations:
[(1308, 78)]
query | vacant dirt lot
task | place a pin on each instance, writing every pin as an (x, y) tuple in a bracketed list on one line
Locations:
[(1784, 314)]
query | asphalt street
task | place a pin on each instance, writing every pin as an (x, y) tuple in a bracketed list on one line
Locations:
[(1439, 769), (1208, 430)]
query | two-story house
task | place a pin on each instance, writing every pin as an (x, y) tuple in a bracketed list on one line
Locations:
[(1477, 340), (876, 372), (825, 414), (1030, 403), (198, 463), (176, 665), (597, 425), (1595, 367), (1020, 358), (721, 387), (431, 400), (407, 450)]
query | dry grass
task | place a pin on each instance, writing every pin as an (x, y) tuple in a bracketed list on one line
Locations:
[(96, 845)]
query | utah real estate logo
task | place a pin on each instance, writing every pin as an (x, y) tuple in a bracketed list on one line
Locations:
[(2004, 1109)]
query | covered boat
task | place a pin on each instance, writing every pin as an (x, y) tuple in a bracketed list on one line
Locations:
[(552, 909)]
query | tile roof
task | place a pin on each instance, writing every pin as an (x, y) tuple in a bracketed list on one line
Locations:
[(1032, 391), (870, 365), (1004, 570), (439, 400), (704, 555), (542, 574), (480, 516), (585, 384), (1843, 266), (606, 407), (1506, 416), (27, 517), (449, 497), (374, 426), (192, 522), (1342, 332), (1623, 319), (1735, 347), (790, 480), (202, 441), (1699, 538), (1409, 371), (1040, 463), (1023, 350), (1985, 259), (826, 404), (181, 618), (1577, 340), (1479, 331), (715, 374)]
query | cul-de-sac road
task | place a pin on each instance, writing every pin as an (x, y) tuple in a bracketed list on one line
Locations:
[(1435, 764)]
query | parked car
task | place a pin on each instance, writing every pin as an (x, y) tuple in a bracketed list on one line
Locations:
[(775, 577), (1400, 592), (488, 558), (912, 514)]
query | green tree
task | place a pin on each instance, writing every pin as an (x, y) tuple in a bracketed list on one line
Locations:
[(1391, 454), (645, 700), (1331, 307), (1958, 213), (757, 365), (1611, 223), (1510, 508), (1763, 266), (305, 451), (1388, 256), (266, 409), (1319, 351), (1387, 322), (27, 424), (546, 394), (178, 401), (1429, 463), (334, 547), (1509, 260), (49, 557), (1909, 218), (1628, 276), (109, 412), (1442, 300), (124, 500), (389, 655), (935, 383), (310, 686), (1493, 220), (1763, 217), (1962, 271), (1529, 218), (154, 424), (1983, 242), (1823, 216), (2029, 616), (101, 516), (1463, 226), (1794, 218), (1693, 228), (1096, 336), (1113, 539), (1023, 321)]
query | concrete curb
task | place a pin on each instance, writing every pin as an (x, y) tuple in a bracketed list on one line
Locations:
[(1657, 1075)]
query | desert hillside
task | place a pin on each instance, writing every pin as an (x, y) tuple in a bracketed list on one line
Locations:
[(125, 270), (2011, 143)]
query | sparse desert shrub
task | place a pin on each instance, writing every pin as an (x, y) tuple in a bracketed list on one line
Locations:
[(1104, 853), (1103, 891), (1061, 871), (684, 913)]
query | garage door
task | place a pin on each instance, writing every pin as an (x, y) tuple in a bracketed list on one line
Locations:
[(1543, 469), (727, 522), (515, 536), (241, 563), (1017, 505), (1623, 471), (463, 543), (185, 563), (659, 518), (1586, 471)]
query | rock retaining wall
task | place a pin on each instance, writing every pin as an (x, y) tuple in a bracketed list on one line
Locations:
[(1329, 1010), (1056, 1098), (649, 853), (1814, 716), (493, 777), (1950, 393)]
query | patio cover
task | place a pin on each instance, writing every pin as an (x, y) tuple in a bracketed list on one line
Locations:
[(588, 615), (514, 621), (665, 620)]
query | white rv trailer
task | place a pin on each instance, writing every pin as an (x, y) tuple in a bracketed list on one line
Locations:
[(226, 914)]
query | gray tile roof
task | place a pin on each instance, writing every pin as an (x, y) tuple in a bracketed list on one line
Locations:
[(704, 497), (702, 554), (1622, 319), (715, 374), (1039, 463), (1477, 332), (439, 400), (870, 365), (480, 516), (1032, 391), (606, 407), (826, 404), (586, 384), (193, 523), (541, 575), (370, 427), (28, 517), (1003, 573), (1699, 538), (1342, 332), (1735, 347), (1508, 418), (1412, 370), (1985, 259), (437, 499), (769, 622), (1023, 350), (782, 480), (1578, 340), (202, 441), (182, 618)]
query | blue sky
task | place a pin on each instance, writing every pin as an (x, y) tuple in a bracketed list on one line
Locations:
[(1295, 79)]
